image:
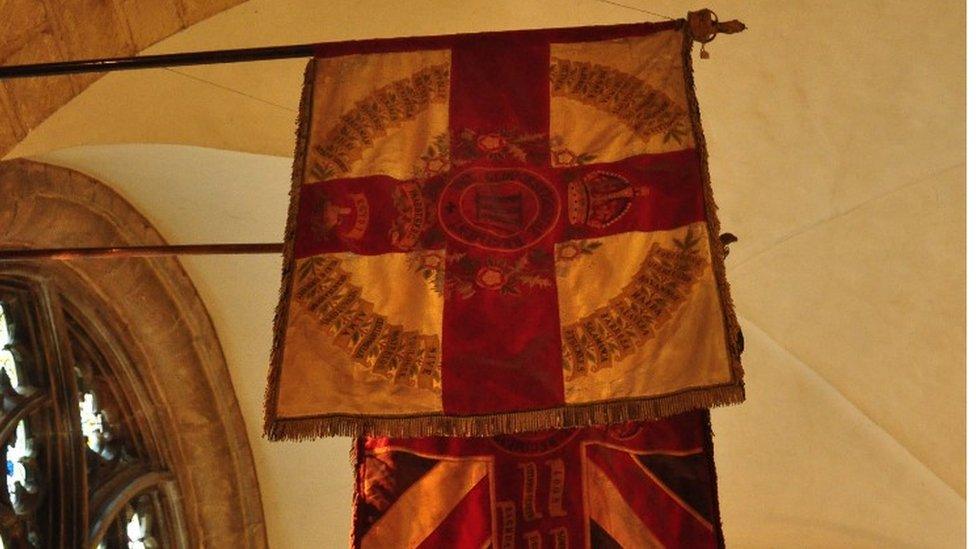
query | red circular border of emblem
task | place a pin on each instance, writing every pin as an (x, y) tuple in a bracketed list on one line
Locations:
[(546, 195), (534, 443)]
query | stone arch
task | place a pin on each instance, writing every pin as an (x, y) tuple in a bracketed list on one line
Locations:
[(153, 311)]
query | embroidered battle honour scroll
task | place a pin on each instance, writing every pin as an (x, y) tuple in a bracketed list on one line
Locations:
[(500, 232)]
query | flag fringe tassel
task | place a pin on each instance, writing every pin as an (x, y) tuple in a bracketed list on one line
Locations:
[(601, 413), (288, 254), (733, 332)]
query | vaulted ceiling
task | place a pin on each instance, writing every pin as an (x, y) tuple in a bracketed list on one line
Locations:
[(837, 155), (33, 31)]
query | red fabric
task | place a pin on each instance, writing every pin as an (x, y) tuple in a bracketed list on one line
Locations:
[(498, 352), (663, 472), (340, 193), (467, 525), (667, 517), (571, 34), (489, 338), (485, 75), (673, 198)]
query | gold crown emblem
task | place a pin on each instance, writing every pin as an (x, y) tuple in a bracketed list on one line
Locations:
[(601, 198)]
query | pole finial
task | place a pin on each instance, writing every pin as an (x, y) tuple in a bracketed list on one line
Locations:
[(704, 25)]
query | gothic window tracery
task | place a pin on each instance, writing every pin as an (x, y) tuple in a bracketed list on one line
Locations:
[(84, 467)]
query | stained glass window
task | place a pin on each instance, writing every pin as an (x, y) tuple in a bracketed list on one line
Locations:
[(21, 478), (7, 362), (91, 422), (138, 531), (83, 466)]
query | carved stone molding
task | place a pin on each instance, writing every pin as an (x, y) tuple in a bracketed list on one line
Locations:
[(152, 309)]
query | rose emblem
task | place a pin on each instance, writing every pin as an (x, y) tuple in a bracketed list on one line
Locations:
[(564, 158), (435, 166), (568, 251), (491, 143), (432, 261), (491, 278)]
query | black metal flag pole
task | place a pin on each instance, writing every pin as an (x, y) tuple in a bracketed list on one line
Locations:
[(158, 61), (704, 26)]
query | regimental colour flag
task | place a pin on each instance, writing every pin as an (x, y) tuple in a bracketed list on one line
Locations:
[(641, 485), (499, 233)]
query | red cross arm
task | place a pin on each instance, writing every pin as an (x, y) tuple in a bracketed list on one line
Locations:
[(365, 215), (650, 192)]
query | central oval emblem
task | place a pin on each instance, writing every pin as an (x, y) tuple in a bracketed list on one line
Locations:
[(505, 209)]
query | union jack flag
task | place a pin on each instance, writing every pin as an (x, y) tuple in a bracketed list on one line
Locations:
[(637, 484)]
